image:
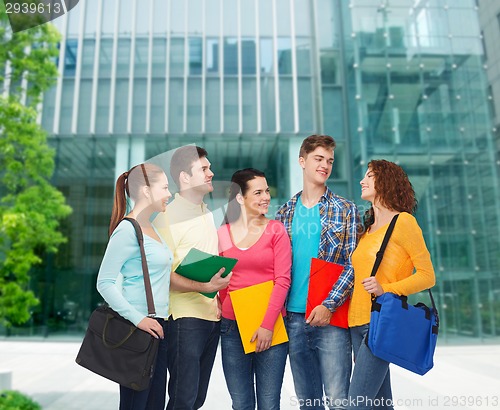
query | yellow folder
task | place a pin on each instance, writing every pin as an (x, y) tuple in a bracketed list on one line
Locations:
[(250, 306)]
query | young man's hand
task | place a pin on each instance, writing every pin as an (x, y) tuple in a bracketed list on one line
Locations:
[(320, 316), (218, 282)]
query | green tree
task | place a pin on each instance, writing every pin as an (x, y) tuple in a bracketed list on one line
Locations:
[(30, 207)]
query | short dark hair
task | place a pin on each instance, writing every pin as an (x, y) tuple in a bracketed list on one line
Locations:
[(314, 141), (183, 160)]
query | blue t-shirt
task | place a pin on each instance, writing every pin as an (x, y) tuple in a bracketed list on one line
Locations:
[(306, 232)]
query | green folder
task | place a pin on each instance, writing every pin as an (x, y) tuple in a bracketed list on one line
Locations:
[(201, 266)]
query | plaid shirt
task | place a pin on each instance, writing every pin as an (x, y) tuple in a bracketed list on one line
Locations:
[(338, 239)]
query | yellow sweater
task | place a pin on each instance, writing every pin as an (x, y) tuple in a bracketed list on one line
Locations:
[(405, 252)]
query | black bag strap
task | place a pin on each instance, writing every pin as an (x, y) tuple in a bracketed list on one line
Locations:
[(380, 255), (145, 270)]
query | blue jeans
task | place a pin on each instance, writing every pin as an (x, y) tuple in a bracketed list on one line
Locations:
[(371, 381), (153, 398), (191, 349), (240, 369), (321, 362)]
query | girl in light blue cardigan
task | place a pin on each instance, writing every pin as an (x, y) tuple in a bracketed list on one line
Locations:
[(147, 186)]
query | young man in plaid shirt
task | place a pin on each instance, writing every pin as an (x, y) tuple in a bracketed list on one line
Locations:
[(321, 225)]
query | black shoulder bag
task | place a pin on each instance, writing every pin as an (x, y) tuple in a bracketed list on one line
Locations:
[(116, 349)]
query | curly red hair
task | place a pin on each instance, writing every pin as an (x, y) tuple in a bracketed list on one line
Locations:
[(393, 187)]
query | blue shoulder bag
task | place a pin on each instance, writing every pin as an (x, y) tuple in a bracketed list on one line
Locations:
[(400, 333)]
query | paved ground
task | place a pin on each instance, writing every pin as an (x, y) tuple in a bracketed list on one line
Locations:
[(464, 377)]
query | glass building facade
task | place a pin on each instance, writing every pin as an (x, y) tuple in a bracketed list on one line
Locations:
[(403, 80), (489, 20)]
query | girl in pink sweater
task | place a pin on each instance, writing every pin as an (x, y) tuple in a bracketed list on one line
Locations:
[(263, 250)]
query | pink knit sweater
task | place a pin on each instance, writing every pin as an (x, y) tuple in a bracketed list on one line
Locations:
[(270, 258)]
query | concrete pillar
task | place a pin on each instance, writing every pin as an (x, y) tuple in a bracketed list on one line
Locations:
[(5, 379), (295, 169)]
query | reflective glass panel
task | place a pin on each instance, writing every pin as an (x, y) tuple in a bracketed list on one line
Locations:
[(176, 105), (195, 55), (231, 111), (268, 104), (102, 111), (157, 121), (212, 105), (194, 105), (230, 56), (249, 107), (176, 56), (212, 55)]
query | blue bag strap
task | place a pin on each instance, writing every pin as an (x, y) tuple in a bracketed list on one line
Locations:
[(378, 261)]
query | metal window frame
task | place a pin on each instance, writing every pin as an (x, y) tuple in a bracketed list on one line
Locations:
[(112, 93), (295, 92), (275, 69), (221, 65), (60, 78), (78, 73), (131, 71), (186, 69), (95, 72), (149, 79), (167, 69), (257, 68), (240, 69)]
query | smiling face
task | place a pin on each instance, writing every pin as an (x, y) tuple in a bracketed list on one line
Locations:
[(368, 192), (317, 165), (159, 193), (257, 198)]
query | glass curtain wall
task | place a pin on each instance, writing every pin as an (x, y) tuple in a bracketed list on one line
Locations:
[(418, 96)]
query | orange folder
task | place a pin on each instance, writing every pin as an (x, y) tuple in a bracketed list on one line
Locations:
[(323, 276), (250, 306)]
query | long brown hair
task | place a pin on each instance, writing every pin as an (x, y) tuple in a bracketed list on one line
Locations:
[(393, 189), (239, 184), (129, 184)]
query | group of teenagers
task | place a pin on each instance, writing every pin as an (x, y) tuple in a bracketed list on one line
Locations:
[(315, 223)]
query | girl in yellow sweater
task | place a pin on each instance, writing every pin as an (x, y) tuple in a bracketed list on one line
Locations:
[(405, 269)]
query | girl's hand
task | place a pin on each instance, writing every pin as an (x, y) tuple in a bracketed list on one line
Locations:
[(151, 326), (371, 285), (263, 337)]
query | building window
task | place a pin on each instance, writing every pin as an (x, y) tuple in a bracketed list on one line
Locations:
[(195, 55), (70, 57)]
